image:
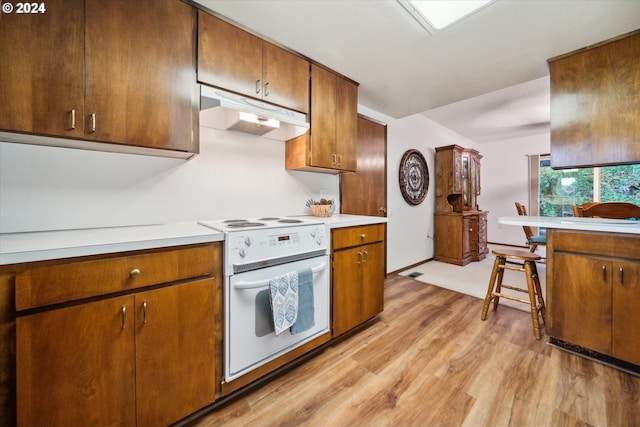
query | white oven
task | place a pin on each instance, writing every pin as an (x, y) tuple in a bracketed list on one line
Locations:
[(255, 253)]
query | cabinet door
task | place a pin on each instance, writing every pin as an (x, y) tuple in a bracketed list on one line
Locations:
[(372, 280), (594, 120), (346, 124), (323, 117), (466, 184), (286, 78), (466, 236), (41, 71), (476, 174), (581, 301), (229, 57), (626, 311), (347, 289), (140, 78), (482, 235), (365, 192), (175, 355), (75, 365), (473, 235), (457, 171)]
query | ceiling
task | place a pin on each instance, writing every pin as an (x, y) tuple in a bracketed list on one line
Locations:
[(485, 77)]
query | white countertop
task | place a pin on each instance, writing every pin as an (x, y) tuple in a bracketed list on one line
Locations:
[(37, 246), (571, 223), (45, 245), (344, 220)]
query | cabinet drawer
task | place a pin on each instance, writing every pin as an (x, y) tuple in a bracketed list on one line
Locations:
[(482, 225), (67, 282), (354, 236), (595, 243)]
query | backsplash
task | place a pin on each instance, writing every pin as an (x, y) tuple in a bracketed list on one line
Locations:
[(235, 175)]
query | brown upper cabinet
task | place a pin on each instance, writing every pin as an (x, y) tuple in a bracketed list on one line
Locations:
[(118, 72), (330, 147), (595, 104), (41, 78), (233, 59)]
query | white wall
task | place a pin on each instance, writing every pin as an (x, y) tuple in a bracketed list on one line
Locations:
[(235, 175), (505, 180)]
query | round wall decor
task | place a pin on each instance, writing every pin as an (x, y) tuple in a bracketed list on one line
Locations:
[(414, 177)]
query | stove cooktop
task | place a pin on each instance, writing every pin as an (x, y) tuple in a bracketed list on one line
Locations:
[(230, 225)]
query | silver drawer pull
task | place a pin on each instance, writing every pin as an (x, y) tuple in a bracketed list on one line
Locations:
[(73, 119), (144, 312), (124, 316), (93, 122)]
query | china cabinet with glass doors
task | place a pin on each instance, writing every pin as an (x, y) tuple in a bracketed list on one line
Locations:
[(460, 226)]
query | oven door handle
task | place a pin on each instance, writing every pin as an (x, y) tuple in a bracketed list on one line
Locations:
[(265, 282)]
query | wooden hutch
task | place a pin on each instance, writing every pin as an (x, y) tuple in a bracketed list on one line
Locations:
[(460, 228)]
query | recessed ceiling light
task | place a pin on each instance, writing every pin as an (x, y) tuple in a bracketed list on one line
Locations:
[(434, 15)]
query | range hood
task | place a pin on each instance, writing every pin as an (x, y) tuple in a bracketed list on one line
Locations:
[(224, 110)]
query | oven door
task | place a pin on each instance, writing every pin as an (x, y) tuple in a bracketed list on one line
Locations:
[(250, 339)]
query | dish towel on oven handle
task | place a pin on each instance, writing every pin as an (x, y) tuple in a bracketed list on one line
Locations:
[(306, 319), (284, 300)]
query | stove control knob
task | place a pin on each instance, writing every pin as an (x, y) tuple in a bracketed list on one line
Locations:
[(242, 252), (248, 241)]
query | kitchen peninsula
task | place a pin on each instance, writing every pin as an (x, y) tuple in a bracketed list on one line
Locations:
[(593, 286)]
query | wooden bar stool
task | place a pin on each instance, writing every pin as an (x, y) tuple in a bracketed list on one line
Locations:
[(533, 289)]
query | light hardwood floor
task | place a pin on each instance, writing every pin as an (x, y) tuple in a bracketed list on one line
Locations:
[(428, 360)]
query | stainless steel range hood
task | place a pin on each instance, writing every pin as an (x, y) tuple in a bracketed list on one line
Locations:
[(224, 110)]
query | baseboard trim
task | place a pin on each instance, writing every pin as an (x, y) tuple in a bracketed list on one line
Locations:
[(612, 362)]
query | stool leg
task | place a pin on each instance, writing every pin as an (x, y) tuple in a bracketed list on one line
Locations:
[(498, 289), (541, 305), (531, 277), (492, 280)]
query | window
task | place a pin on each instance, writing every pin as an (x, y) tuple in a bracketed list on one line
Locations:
[(434, 15), (559, 190)]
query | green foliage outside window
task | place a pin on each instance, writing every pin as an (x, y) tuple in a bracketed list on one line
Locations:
[(561, 189)]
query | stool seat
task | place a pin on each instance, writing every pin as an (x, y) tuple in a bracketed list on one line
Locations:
[(533, 289), (521, 255)]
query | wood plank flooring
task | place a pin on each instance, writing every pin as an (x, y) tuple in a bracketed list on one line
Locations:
[(429, 361)]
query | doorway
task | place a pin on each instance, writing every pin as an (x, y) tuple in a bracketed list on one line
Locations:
[(365, 192)]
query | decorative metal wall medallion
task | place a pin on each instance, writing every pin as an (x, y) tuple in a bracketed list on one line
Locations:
[(414, 177)]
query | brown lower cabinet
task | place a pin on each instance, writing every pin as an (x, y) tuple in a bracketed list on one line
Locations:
[(149, 357), (594, 297), (461, 237), (358, 257)]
